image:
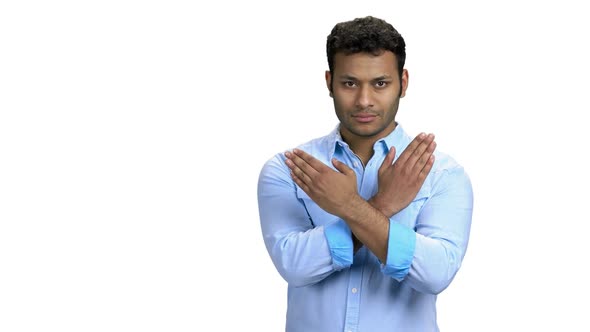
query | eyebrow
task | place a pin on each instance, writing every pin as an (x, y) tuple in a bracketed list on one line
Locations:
[(352, 78), (382, 78)]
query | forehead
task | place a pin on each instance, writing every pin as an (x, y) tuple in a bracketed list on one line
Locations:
[(365, 64)]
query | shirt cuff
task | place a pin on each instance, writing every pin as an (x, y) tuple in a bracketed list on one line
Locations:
[(400, 251), (339, 239)]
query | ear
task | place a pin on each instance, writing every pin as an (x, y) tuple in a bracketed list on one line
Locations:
[(405, 82), (329, 82)]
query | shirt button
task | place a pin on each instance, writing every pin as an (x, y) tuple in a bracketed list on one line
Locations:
[(355, 164), (354, 290)]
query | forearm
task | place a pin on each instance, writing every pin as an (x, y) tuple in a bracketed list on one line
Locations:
[(369, 226), (440, 233), (378, 203), (301, 252), (435, 264), (428, 265), (302, 258)]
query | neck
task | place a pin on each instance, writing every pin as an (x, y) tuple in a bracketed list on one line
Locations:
[(363, 149), (363, 146)]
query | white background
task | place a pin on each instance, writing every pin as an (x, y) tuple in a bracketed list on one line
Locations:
[(132, 134)]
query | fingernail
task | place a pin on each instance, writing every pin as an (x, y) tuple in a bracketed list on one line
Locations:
[(422, 135)]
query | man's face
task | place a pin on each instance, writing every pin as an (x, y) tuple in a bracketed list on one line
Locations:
[(366, 90)]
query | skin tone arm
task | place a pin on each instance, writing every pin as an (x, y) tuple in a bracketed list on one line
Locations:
[(336, 191)]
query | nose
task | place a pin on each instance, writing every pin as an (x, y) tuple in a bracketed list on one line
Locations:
[(364, 98)]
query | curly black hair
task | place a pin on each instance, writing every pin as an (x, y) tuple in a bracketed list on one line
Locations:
[(367, 34)]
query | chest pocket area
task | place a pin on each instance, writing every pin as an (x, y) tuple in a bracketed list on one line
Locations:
[(317, 216), (409, 215)]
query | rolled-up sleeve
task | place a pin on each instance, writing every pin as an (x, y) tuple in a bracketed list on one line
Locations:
[(442, 233), (400, 251), (339, 238), (302, 254)]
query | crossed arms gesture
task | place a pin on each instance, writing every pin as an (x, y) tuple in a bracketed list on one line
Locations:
[(335, 191)]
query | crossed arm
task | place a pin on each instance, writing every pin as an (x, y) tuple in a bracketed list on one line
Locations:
[(304, 254), (336, 191)]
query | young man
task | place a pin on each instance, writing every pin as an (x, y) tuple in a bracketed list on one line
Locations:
[(366, 224)]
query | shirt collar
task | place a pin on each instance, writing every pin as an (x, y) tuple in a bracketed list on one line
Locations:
[(397, 138)]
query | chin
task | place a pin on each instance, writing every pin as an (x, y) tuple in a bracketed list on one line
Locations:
[(366, 133)]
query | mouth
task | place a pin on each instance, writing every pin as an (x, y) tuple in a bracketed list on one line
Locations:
[(364, 117)]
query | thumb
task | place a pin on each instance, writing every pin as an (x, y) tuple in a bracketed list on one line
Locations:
[(388, 159), (341, 166)]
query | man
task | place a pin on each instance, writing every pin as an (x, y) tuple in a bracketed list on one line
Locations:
[(366, 224)]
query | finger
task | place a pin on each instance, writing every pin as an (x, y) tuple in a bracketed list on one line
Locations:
[(388, 160), (301, 164), (311, 161), (426, 169), (342, 167), (423, 159), (419, 150), (296, 172), (300, 183), (410, 149)]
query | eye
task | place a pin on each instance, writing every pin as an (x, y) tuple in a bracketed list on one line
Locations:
[(381, 84), (349, 84)]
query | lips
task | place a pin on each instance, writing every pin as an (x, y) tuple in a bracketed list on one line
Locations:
[(364, 117)]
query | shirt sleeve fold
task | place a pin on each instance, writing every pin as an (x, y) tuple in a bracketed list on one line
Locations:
[(442, 233), (302, 253), (400, 251), (339, 239)]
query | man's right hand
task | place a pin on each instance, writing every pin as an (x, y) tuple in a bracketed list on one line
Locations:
[(400, 182)]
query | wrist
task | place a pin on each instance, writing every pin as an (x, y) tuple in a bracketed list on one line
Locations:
[(354, 209), (381, 204)]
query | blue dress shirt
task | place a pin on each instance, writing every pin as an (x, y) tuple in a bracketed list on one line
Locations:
[(332, 289)]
